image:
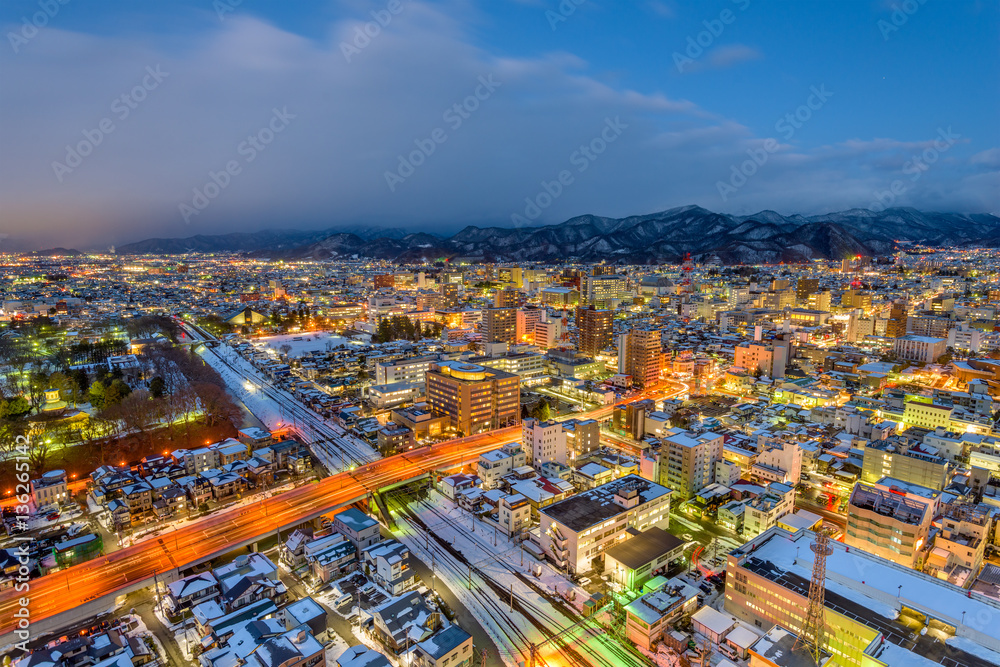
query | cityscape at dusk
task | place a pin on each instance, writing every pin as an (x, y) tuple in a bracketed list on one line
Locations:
[(533, 333)]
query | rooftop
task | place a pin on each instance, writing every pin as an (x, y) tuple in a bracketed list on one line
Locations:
[(592, 507)]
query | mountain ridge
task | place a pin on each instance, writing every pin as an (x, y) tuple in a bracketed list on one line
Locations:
[(664, 236)]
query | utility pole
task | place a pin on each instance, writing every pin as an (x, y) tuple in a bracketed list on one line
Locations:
[(531, 657), (512, 598)]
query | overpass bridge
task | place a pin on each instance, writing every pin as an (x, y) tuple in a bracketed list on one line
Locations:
[(89, 589)]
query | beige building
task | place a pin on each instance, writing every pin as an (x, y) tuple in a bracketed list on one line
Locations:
[(904, 461), (687, 461), (474, 398), (891, 520)]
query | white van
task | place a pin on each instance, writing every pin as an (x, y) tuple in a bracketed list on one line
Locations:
[(342, 600)]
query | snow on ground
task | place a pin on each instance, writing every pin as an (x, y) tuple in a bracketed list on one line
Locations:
[(664, 657), (273, 406), (969, 646), (313, 341), (500, 565), (897, 656), (335, 646)]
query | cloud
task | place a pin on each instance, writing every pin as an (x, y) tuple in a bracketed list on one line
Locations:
[(732, 54), (990, 158), (356, 112)]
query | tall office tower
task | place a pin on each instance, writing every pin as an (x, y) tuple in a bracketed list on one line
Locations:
[(505, 298), (449, 292), (602, 270), (896, 326), (473, 397), (499, 325), (593, 330), (643, 356), (804, 288)]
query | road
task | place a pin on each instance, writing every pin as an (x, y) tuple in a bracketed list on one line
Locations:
[(63, 591)]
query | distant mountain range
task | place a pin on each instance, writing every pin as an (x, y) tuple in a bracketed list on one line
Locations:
[(657, 237)]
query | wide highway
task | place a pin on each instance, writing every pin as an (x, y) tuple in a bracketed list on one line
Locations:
[(67, 589)]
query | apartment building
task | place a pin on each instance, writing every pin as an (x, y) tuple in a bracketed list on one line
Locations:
[(499, 325), (473, 397), (603, 291), (576, 531), (767, 509), (905, 461), (960, 544), (583, 436), (594, 329), (687, 461), (643, 356), (765, 358), (544, 442), (891, 520), (411, 371)]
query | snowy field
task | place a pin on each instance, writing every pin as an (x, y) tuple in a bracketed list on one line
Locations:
[(314, 341)]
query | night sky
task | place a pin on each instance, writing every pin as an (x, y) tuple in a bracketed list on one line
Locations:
[(125, 120)]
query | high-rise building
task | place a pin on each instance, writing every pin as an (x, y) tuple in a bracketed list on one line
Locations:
[(449, 294), (643, 356), (804, 288), (385, 280), (499, 325), (594, 330), (687, 461), (505, 298), (473, 397)]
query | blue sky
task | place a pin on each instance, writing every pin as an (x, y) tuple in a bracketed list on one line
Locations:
[(893, 78)]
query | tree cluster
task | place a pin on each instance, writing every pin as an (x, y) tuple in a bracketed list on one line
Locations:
[(400, 327)]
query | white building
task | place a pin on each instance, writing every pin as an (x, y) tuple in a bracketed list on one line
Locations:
[(543, 442), (922, 349), (576, 531)]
